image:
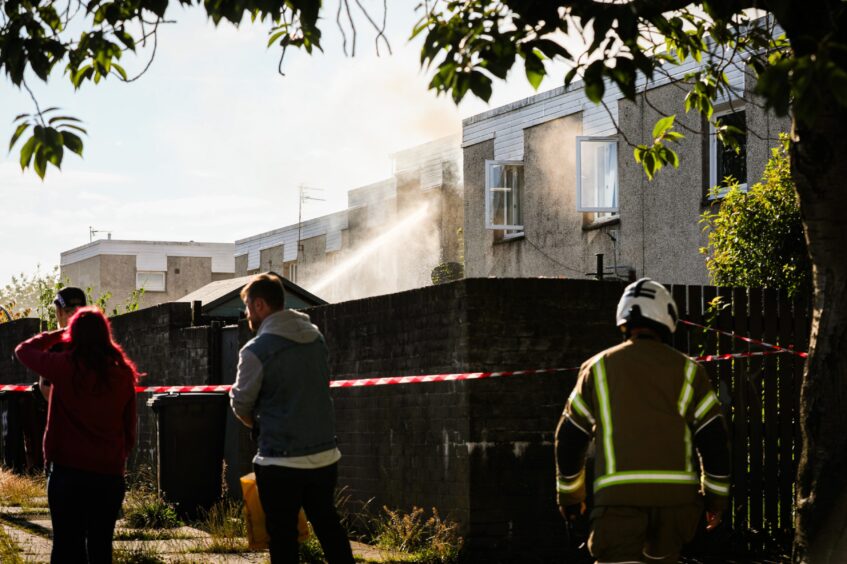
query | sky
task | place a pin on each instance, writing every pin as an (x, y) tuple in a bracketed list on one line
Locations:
[(211, 144)]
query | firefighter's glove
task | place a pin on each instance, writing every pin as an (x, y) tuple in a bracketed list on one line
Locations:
[(572, 513)]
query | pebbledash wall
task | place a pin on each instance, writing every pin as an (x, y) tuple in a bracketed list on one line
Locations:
[(480, 452)]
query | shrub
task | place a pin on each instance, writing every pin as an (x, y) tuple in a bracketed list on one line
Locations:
[(756, 237), (431, 540), (145, 511), (21, 491)]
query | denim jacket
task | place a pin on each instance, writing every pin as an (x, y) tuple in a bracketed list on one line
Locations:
[(283, 384)]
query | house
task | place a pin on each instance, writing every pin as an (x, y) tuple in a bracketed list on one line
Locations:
[(551, 182), (390, 237), (165, 270)]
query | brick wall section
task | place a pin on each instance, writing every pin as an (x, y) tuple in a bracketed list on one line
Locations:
[(479, 451), (515, 324), (164, 345)]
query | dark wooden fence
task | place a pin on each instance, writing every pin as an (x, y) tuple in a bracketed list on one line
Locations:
[(760, 395)]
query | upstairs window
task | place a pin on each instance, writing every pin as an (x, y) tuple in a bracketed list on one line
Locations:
[(597, 174), (150, 281), (724, 161), (503, 196)]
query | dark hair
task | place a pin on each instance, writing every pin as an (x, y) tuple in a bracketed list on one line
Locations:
[(89, 337), (267, 287), (69, 298)]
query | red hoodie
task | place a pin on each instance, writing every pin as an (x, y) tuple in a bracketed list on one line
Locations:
[(88, 427)]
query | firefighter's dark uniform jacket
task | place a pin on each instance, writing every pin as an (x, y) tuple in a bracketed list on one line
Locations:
[(648, 407)]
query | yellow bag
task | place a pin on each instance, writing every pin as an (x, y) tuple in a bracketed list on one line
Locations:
[(254, 516)]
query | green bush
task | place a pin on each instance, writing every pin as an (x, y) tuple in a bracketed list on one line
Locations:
[(756, 237)]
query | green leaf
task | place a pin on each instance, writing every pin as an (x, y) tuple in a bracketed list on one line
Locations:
[(662, 126), (18, 132), (40, 162), (125, 38), (276, 36), (72, 142), (26, 151), (120, 70)]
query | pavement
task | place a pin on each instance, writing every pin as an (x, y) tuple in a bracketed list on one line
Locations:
[(30, 530)]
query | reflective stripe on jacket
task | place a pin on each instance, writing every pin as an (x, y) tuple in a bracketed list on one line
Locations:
[(643, 402)]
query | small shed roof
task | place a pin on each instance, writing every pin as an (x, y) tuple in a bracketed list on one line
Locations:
[(223, 297)]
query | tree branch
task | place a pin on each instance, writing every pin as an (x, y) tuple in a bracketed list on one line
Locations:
[(37, 107)]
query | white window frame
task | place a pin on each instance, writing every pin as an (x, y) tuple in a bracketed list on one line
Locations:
[(597, 209), (713, 153), (509, 230), (292, 272), (149, 274)]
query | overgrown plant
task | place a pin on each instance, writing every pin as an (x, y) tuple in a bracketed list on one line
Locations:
[(10, 552), (225, 524), (21, 491), (136, 555), (756, 237), (428, 539), (143, 508)]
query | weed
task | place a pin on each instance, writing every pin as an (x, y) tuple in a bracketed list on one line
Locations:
[(149, 511), (10, 553), (355, 516), (148, 535), (22, 491), (225, 524), (137, 555), (430, 540)]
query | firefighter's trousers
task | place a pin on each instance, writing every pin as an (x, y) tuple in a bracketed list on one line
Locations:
[(642, 534)]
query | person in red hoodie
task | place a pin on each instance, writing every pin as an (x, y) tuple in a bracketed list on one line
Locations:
[(91, 426)]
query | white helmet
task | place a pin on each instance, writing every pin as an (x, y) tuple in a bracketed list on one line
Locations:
[(645, 303)]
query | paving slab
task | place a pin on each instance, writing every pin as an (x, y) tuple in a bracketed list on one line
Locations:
[(34, 548)]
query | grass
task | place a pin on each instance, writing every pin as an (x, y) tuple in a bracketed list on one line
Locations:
[(225, 524), (10, 553), (148, 535), (139, 555), (426, 539), (22, 491), (143, 507)]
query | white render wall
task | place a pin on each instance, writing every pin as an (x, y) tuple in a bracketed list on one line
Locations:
[(330, 225), (506, 124), (153, 255)]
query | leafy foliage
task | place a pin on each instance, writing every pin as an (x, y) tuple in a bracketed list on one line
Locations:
[(31, 294), (756, 237), (88, 40), (469, 43)]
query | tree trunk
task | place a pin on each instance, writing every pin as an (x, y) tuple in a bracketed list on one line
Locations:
[(819, 165)]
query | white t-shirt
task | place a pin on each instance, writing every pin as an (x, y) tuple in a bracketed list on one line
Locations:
[(308, 462)]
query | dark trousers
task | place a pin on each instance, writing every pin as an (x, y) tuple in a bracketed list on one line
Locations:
[(83, 507), (282, 492)]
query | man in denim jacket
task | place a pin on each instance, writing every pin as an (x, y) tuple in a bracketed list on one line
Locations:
[(282, 388)]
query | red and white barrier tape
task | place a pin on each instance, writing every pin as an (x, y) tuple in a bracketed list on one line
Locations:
[(789, 349), (392, 380)]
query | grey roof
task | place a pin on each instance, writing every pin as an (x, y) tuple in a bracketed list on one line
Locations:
[(214, 291), (222, 291)]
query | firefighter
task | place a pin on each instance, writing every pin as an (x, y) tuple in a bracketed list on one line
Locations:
[(648, 407)]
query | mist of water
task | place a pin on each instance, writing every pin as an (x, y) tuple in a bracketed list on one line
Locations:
[(404, 227)]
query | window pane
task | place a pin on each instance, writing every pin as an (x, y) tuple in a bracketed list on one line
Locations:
[(505, 192), (598, 175), (730, 163), (150, 281)]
